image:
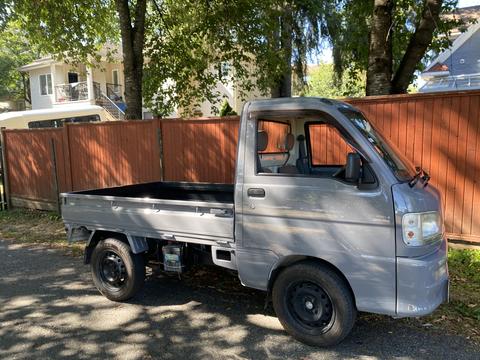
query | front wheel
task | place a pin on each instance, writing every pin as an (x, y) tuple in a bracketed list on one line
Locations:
[(117, 273), (314, 304)]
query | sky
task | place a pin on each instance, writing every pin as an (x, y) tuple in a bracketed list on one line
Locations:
[(466, 3), (326, 55)]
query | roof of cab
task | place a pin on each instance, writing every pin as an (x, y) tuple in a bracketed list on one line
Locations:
[(295, 103)]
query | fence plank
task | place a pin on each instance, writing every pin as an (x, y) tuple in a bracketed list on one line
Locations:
[(5, 169)]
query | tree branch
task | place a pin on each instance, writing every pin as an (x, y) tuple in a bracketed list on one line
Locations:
[(418, 45)]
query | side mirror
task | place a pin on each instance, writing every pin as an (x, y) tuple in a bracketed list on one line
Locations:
[(353, 168)]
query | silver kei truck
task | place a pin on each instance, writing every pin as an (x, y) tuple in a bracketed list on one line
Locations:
[(323, 240)]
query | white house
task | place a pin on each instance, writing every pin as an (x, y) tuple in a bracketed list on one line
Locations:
[(58, 84)]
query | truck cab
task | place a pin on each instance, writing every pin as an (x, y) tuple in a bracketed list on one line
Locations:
[(325, 215)]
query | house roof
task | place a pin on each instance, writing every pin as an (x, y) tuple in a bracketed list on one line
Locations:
[(39, 63), (438, 63), (48, 60)]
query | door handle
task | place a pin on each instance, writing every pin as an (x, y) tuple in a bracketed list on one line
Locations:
[(256, 192)]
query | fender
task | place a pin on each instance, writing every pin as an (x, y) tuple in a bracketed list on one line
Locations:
[(138, 244)]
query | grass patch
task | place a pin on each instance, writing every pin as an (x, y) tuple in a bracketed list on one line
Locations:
[(36, 227), (460, 317), (462, 314)]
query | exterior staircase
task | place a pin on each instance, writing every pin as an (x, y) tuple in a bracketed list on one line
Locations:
[(110, 106)]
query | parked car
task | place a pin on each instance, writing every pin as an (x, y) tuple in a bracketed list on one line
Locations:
[(322, 240), (52, 118)]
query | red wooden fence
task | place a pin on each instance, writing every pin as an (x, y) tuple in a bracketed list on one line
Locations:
[(438, 131), (441, 133)]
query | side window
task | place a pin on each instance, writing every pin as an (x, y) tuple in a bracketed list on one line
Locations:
[(327, 146), (41, 124), (83, 119), (56, 123), (272, 151), (317, 149), (46, 84)]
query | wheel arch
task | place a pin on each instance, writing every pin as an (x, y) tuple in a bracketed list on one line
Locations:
[(138, 244), (291, 260)]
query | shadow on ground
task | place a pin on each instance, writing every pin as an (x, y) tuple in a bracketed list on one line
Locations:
[(50, 309)]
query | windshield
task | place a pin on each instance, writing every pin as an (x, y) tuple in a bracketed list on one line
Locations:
[(400, 165)]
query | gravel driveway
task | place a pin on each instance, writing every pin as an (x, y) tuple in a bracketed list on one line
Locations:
[(50, 309)]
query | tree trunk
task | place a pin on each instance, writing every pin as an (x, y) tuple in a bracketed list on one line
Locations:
[(26, 87), (380, 58), (283, 87), (418, 45), (133, 38)]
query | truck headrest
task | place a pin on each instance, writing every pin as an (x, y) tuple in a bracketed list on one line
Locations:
[(262, 140), (289, 141)]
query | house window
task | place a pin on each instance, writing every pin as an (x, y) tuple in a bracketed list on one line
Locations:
[(115, 76), (46, 84)]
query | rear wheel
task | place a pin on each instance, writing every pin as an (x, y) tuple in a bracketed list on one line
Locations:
[(314, 304), (117, 273)]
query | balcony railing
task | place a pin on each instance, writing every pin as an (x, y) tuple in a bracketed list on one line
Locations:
[(448, 83), (75, 91), (114, 91)]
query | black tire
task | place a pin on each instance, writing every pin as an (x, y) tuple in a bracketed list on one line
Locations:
[(117, 273), (314, 304)]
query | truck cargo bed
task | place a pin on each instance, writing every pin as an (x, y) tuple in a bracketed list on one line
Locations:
[(198, 213)]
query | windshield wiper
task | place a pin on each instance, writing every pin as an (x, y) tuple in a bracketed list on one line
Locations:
[(420, 174)]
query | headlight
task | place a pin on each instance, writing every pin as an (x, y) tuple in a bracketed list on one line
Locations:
[(421, 228)]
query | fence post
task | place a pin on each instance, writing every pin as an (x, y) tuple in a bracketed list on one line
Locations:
[(55, 175), (4, 167), (67, 157), (160, 149)]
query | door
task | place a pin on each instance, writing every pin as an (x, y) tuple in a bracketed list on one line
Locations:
[(303, 207), (72, 77)]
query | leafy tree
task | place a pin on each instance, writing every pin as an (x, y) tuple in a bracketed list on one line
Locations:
[(389, 39), (321, 81), (226, 109), (297, 31), (76, 30), (186, 44), (192, 45), (15, 51)]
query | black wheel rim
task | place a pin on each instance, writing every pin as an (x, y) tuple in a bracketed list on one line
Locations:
[(310, 305), (112, 270)]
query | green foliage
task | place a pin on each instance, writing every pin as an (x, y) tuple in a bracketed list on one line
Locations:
[(349, 27), (71, 30), (226, 109), (15, 51), (464, 267), (322, 82), (465, 264), (191, 43)]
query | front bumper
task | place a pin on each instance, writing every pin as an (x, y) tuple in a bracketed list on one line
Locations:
[(422, 283)]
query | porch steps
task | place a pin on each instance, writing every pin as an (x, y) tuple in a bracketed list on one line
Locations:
[(112, 109)]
